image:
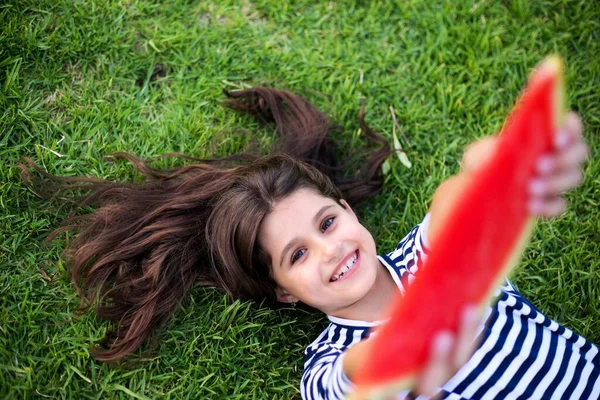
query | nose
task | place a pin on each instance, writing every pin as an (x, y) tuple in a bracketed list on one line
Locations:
[(330, 250)]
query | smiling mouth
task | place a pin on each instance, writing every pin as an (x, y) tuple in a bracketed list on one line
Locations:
[(346, 268)]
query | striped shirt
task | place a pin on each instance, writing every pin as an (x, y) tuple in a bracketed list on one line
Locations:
[(522, 353)]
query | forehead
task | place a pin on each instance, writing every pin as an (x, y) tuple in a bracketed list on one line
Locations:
[(297, 206), (290, 217)]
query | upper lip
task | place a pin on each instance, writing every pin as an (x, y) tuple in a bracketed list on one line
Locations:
[(342, 263)]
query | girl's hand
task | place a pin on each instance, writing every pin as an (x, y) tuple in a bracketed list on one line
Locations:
[(559, 170), (448, 354), (556, 172)]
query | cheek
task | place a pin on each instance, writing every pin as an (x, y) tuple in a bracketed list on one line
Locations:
[(279, 278), (365, 237), (294, 278), (305, 276), (305, 279)]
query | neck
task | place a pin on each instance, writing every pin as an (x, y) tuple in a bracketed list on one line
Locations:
[(374, 305)]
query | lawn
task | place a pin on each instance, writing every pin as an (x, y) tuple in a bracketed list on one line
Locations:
[(80, 80)]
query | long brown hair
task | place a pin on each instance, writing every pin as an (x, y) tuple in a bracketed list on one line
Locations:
[(144, 246)]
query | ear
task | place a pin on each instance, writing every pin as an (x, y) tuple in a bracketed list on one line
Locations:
[(347, 207), (283, 296)]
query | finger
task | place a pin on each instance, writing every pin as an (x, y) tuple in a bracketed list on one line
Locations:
[(554, 185), (466, 338), (438, 369), (569, 158), (571, 130), (574, 124), (547, 208), (478, 153)]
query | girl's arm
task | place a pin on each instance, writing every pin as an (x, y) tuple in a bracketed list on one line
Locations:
[(557, 172)]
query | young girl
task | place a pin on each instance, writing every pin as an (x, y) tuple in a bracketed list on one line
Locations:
[(281, 228)]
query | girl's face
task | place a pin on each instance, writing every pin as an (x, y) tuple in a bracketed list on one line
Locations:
[(320, 253)]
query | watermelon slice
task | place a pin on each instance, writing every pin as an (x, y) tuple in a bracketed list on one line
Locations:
[(478, 245)]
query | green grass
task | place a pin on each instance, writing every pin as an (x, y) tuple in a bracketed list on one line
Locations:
[(68, 97)]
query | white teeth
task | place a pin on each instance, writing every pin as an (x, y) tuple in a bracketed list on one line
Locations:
[(342, 271)]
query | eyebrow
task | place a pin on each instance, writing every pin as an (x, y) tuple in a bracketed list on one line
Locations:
[(291, 244)]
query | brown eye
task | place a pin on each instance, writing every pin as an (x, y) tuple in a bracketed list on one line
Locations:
[(326, 224), (297, 254)]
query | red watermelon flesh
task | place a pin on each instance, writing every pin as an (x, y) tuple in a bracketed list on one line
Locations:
[(478, 245)]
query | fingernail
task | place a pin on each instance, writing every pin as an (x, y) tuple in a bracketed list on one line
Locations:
[(443, 342), (562, 208), (537, 187), (562, 139), (534, 207), (470, 314), (545, 164)]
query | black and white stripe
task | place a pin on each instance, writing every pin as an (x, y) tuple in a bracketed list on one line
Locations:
[(522, 353)]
